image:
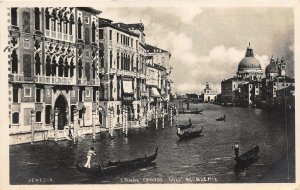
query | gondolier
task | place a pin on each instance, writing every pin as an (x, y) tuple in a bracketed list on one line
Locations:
[(89, 156), (236, 149)]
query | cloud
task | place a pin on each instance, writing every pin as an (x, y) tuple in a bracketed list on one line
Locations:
[(186, 14), (220, 63)]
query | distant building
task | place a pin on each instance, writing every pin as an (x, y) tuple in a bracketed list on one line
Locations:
[(209, 95)]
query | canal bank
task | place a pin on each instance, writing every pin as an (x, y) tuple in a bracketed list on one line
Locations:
[(207, 156)]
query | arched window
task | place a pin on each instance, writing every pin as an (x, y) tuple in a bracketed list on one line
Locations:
[(72, 68), (48, 66), (60, 67), (15, 118), (38, 117), (14, 16), (66, 71), (53, 68), (122, 61), (87, 71)]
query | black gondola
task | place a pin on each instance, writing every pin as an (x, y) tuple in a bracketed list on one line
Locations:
[(118, 167), (190, 111), (185, 126), (248, 156), (188, 134), (221, 118)]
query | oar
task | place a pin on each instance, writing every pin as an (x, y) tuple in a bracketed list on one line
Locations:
[(100, 165)]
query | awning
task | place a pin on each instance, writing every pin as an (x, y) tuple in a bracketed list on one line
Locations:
[(127, 87), (154, 92)]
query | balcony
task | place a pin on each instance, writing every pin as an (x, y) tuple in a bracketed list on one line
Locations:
[(126, 73), (55, 80), (16, 77), (96, 82), (82, 81)]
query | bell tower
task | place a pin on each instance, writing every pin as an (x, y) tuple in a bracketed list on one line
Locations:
[(282, 67)]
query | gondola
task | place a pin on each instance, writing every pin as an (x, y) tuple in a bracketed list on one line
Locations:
[(248, 157), (118, 167), (185, 126), (221, 118), (188, 134), (190, 111)]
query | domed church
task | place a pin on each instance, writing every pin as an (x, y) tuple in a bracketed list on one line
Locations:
[(249, 67)]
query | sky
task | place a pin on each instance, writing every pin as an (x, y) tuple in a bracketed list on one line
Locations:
[(208, 43)]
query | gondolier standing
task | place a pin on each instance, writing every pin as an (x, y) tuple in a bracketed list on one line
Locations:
[(190, 121), (89, 156), (236, 149)]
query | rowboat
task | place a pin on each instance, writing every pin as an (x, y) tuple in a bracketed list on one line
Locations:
[(248, 156), (118, 167), (189, 133)]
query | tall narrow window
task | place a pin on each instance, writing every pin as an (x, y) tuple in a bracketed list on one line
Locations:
[(80, 95), (94, 95), (38, 95), (38, 117), (79, 28), (60, 68), (93, 32), (118, 61), (48, 114), (65, 28), (26, 22), (14, 61), (14, 16), (87, 71), (70, 28), (37, 18), (59, 29), (94, 70), (48, 66), (79, 68), (110, 59), (15, 95), (15, 118), (110, 34), (87, 36), (53, 25), (101, 34), (117, 37), (47, 22), (37, 64), (72, 68)]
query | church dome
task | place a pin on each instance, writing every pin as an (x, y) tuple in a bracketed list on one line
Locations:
[(272, 67), (249, 61)]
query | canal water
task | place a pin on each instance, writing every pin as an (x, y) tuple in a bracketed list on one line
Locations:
[(206, 159)]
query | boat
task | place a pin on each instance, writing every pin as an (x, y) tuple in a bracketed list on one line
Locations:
[(188, 133), (118, 167), (185, 126), (248, 157), (183, 111), (221, 118)]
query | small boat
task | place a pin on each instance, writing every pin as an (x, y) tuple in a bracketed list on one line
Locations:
[(185, 126), (183, 111), (248, 156), (189, 133), (118, 167), (221, 118)]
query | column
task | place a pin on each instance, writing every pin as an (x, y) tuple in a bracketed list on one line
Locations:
[(163, 118), (156, 116), (111, 122), (93, 123), (75, 125), (32, 125), (126, 122), (123, 119), (56, 123), (176, 116), (171, 116), (146, 111)]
